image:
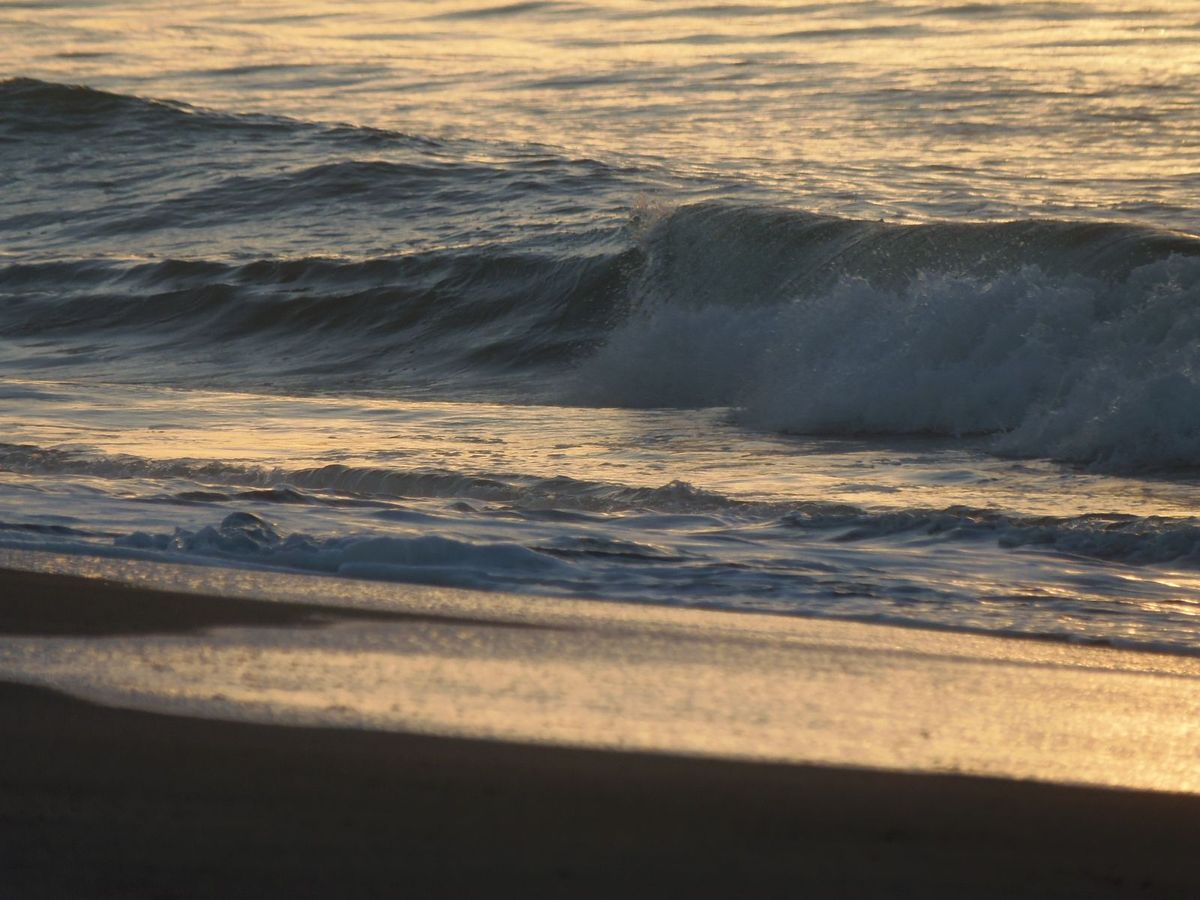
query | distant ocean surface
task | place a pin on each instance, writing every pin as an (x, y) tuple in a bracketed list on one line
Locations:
[(887, 311)]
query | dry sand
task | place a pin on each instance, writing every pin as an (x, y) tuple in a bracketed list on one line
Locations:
[(102, 802)]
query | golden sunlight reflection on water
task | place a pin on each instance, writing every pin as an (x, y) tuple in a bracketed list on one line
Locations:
[(990, 108), (700, 447)]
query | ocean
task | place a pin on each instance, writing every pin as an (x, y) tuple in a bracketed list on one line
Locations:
[(881, 311)]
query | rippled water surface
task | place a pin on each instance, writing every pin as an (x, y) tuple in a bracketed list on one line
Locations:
[(896, 109)]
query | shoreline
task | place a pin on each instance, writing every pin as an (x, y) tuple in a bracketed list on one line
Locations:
[(99, 801), (328, 652), (40, 604)]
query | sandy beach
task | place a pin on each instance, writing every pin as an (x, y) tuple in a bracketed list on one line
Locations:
[(106, 802)]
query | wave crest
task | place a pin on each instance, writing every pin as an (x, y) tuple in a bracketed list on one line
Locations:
[(1078, 342)]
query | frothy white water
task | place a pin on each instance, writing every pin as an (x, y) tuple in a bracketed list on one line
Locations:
[(1087, 369)]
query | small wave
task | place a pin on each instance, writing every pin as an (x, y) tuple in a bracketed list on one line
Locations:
[(398, 190), (30, 108), (507, 10), (314, 484), (57, 531), (332, 324), (1132, 540), (426, 559)]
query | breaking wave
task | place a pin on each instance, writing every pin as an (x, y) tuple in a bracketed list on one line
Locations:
[(1068, 340), (1072, 340)]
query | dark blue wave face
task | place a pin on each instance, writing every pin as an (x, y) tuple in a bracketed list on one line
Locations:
[(149, 241), (189, 245), (96, 173)]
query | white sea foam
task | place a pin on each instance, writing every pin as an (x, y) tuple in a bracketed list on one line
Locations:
[(1087, 369)]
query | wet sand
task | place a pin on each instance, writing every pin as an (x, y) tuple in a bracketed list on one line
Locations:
[(46, 605), (103, 802)]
